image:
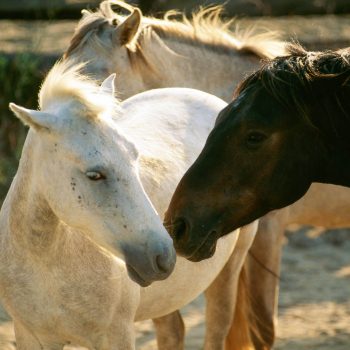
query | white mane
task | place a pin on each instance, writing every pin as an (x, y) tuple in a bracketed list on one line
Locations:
[(208, 27), (65, 81), (204, 27)]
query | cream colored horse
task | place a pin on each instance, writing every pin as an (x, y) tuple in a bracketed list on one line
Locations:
[(79, 198), (150, 53), (203, 53)]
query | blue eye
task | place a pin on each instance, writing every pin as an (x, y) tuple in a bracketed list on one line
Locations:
[(95, 175)]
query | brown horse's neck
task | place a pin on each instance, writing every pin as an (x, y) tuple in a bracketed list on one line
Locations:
[(336, 169), (331, 116)]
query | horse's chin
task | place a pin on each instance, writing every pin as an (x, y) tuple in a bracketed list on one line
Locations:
[(199, 256), (136, 277), (205, 250)]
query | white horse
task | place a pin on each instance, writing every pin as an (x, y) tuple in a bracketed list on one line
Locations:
[(77, 201), (204, 53), (85, 187)]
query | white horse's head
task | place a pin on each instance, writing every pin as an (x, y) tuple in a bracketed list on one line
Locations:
[(87, 171)]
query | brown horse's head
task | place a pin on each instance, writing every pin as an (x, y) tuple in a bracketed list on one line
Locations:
[(265, 150)]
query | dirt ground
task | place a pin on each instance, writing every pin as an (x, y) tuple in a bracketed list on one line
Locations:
[(314, 307)]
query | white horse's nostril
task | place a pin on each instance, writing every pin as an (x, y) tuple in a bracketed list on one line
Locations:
[(165, 262)]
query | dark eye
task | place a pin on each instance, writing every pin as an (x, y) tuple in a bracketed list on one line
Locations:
[(255, 138), (95, 175)]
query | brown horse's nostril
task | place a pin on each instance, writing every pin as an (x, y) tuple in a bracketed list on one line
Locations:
[(180, 230)]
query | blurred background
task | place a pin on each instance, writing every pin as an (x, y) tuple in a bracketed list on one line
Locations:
[(314, 303)]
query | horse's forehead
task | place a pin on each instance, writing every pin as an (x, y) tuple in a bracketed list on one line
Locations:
[(259, 108), (84, 130), (77, 114), (101, 138), (236, 110), (250, 100), (248, 108)]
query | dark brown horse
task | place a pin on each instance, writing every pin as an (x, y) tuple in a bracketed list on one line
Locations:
[(287, 127)]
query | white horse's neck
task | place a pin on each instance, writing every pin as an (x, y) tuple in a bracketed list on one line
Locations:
[(196, 65), (31, 223)]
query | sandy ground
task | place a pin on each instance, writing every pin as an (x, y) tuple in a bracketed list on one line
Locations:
[(314, 308)]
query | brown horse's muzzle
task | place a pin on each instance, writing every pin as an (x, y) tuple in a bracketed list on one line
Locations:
[(191, 243)]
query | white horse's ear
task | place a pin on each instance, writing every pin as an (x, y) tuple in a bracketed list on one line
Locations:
[(107, 85), (35, 119), (127, 30)]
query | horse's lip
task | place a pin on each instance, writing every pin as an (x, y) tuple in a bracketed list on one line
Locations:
[(197, 255), (133, 274)]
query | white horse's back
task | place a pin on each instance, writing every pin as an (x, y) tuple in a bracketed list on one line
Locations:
[(181, 114), (169, 127)]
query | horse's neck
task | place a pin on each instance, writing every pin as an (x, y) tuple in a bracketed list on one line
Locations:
[(337, 168), (26, 219), (332, 118), (196, 65)]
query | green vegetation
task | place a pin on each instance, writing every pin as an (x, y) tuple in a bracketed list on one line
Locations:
[(20, 79)]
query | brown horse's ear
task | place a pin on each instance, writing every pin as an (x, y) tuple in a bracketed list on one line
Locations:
[(127, 30)]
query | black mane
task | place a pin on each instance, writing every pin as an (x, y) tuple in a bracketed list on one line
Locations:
[(316, 84)]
